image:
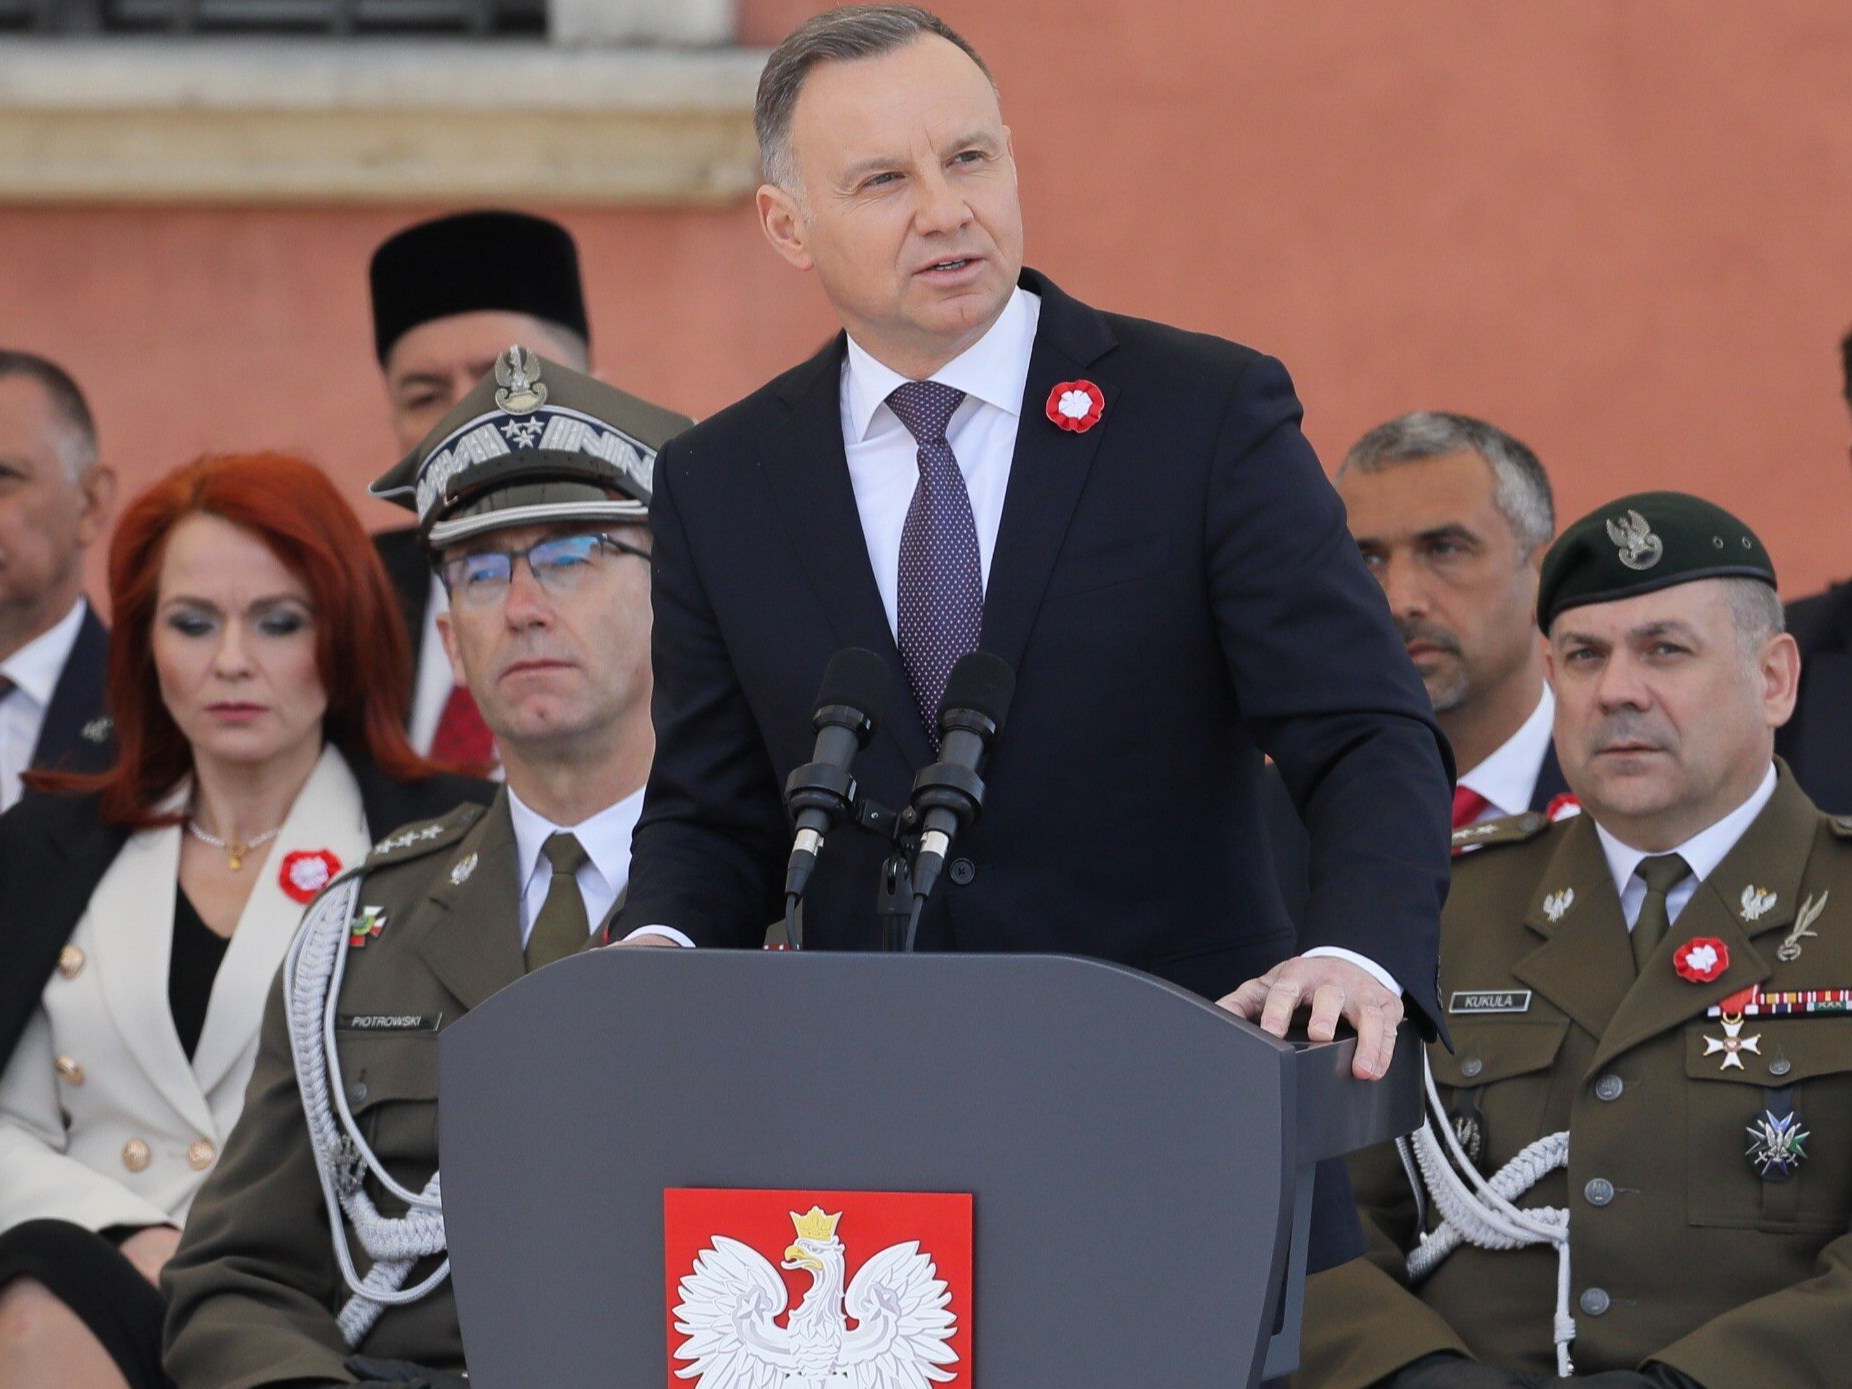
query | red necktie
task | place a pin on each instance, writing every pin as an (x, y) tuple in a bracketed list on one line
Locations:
[(1467, 805), (463, 741)]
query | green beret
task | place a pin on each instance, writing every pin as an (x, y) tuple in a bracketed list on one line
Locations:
[(1642, 543), (532, 443)]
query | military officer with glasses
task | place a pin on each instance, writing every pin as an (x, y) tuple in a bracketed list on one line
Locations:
[(532, 497)]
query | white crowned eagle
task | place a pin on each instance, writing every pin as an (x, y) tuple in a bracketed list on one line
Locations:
[(732, 1301)]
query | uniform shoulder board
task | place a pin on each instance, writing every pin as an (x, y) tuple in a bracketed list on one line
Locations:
[(1841, 825), (1507, 829), (417, 840)]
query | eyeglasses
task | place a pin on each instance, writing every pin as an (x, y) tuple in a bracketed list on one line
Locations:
[(560, 565)]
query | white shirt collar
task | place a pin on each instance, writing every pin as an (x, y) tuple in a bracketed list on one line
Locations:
[(1703, 851), (36, 666), (1507, 778), (605, 838), (994, 369)]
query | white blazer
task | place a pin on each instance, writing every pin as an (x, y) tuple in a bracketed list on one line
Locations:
[(103, 1121)]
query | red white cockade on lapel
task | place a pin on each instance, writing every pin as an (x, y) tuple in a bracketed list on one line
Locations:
[(1076, 405)]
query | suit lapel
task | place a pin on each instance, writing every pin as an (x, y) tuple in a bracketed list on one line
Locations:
[(326, 815), (76, 703), (131, 920), (469, 936), (1049, 470), (807, 471), (1550, 782), (1585, 965), (1770, 857)]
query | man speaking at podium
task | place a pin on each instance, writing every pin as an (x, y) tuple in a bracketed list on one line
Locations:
[(1125, 514)]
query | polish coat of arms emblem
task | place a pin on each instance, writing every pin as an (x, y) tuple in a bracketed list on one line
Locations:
[(887, 1320)]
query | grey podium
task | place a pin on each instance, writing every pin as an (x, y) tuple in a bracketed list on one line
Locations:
[(1139, 1162)]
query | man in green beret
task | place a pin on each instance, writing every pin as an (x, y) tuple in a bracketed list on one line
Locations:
[(1636, 1168), (316, 1253)]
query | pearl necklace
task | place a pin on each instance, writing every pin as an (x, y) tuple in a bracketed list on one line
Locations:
[(234, 851)]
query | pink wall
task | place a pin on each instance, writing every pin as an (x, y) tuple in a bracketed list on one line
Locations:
[(1619, 228)]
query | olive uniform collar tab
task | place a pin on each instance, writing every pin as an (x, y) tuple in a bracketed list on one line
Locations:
[(1584, 965)]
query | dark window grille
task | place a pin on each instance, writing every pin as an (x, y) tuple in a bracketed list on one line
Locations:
[(319, 18)]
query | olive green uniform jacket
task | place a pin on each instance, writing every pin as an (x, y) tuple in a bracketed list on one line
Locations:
[(254, 1288), (1680, 1252)]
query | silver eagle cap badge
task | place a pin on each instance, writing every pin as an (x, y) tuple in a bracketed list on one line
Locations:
[(1639, 547), (517, 372)]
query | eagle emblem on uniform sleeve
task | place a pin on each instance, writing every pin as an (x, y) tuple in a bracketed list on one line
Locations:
[(733, 1300)]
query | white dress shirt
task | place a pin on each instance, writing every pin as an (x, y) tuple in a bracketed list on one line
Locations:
[(1703, 852), (1507, 778), (34, 670), (605, 837), (884, 458), (884, 461)]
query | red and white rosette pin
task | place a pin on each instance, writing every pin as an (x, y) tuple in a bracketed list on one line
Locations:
[(1562, 806), (1076, 405), (1701, 959), (306, 872)]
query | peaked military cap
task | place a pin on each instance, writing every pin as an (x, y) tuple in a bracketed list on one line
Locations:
[(472, 261), (1642, 543), (532, 443)]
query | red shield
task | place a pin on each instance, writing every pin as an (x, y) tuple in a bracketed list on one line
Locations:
[(817, 1283)]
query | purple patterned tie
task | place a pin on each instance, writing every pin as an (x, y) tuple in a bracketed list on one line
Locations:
[(941, 580)]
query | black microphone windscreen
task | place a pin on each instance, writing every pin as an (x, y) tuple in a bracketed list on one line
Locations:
[(858, 678), (982, 683)]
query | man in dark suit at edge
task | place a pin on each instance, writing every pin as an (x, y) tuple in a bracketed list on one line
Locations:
[(54, 501), (1133, 518), (1817, 741)]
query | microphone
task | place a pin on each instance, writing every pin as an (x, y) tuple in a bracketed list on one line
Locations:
[(948, 794), (819, 793)]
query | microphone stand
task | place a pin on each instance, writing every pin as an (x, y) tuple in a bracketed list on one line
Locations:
[(897, 905)]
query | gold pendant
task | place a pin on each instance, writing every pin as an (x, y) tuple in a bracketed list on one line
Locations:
[(236, 853)]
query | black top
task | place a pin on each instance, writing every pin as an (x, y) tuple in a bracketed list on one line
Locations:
[(197, 954)]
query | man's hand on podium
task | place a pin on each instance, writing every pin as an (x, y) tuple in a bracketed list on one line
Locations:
[(1333, 988)]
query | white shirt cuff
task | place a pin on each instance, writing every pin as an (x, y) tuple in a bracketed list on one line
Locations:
[(668, 931), (1362, 962)]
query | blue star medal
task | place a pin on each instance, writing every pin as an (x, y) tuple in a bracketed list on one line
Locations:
[(1776, 1148)]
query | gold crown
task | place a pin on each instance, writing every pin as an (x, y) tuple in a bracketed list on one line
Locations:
[(814, 1224)]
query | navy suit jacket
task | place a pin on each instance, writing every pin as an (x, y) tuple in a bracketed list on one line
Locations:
[(1177, 593), (1817, 741), (75, 736)]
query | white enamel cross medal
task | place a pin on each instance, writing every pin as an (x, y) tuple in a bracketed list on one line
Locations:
[(1733, 1044)]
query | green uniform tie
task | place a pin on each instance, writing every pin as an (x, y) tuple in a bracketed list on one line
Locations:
[(1661, 873), (562, 926)]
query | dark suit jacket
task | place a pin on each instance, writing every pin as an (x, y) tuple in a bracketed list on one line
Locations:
[(75, 737), (1176, 591), (54, 849), (1292, 850), (1817, 741)]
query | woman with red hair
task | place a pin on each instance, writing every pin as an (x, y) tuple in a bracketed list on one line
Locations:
[(256, 671)]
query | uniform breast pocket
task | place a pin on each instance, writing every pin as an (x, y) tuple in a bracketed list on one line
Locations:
[(1501, 1074), (390, 1080), (1770, 1124)]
